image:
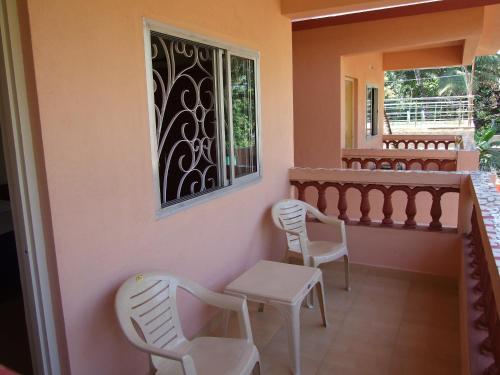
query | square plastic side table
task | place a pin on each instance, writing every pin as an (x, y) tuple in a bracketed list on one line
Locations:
[(283, 286)]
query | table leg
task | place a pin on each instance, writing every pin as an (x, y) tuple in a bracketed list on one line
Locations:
[(310, 299), (321, 297), (291, 314)]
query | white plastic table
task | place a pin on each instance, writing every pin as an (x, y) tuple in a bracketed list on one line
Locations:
[(283, 286)]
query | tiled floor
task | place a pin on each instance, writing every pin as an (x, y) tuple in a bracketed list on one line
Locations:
[(389, 323)]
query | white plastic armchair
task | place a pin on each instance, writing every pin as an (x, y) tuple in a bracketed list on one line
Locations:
[(289, 215), (147, 313)]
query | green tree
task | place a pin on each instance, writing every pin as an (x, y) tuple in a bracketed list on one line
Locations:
[(489, 155), (243, 101), (487, 91), (480, 81)]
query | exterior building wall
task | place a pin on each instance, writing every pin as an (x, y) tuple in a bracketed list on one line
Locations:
[(317, 71), (89, 67), (424, 58)]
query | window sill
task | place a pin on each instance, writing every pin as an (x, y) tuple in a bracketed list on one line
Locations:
[(172, 210)]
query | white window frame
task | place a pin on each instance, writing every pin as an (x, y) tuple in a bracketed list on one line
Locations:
[(232, 50)]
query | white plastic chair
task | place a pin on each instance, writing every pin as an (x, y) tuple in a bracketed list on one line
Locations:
[(147, 312), (289, 215)]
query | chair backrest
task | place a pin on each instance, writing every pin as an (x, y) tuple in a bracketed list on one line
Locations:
[(290, 214), (147, 311)]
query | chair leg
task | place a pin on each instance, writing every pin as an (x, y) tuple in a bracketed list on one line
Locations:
[(346, 271), (256, 369)]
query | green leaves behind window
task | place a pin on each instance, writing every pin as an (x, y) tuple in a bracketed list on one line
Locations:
[(244, 115)]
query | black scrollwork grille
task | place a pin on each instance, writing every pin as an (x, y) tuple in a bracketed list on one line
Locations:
[(186, 118)]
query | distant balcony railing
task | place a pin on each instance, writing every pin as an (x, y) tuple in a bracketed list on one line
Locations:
[(429, 110), (432, 160), (426, 160), (420, 141)]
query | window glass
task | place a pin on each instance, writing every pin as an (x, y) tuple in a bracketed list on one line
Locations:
[(371, 111), (244, 123)]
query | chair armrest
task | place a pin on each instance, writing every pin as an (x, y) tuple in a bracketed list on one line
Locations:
[(223, 301), (330, 220), (294, 233), (322, 217)]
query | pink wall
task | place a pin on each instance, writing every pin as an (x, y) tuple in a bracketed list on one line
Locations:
[(89, 68), (410, 250)]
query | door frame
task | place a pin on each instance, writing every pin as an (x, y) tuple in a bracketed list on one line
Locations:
[(25, 196), (354, 135)]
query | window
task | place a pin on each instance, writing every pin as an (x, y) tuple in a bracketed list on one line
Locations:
[(205, 122), (371, 111)]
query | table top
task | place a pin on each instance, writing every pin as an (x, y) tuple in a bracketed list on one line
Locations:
[(275, 281)]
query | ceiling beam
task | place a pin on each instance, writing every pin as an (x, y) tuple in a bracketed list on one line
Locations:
[(300, 9), (404, 11)]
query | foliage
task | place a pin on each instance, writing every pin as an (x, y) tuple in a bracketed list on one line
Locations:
[(487, 91), (243, 102), (424, 83), (489, 156), (481, 80)]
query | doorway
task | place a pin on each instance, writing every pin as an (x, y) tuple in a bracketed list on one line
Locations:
[(14, 342), (26, 285), (350, 107)]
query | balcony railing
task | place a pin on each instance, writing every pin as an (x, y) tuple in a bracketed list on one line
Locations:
[(445, 110), (422, 141), (433, 160), (412, 184), (478, 206), (481, 283)]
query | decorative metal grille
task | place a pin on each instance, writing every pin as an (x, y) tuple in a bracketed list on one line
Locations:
[(186, 119)]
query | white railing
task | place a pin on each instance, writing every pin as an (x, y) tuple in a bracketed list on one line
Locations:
[(453, 110)]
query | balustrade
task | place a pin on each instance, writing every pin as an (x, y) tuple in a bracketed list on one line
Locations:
[(481, 281), (386, 188), (400, 164), (426, 141), (442, 160)]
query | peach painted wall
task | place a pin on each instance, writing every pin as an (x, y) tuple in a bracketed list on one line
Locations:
[(90, 75), (367, 70), (317, 55), (490, 38), (424, 58)]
